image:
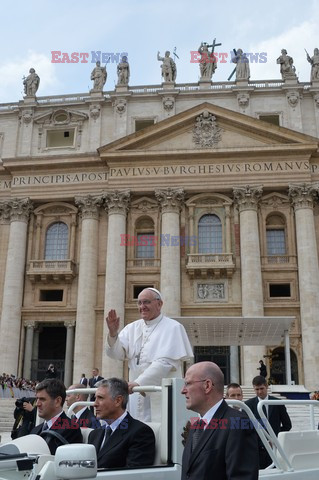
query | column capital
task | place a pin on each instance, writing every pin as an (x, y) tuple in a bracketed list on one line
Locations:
[(69, 323), (303, 195), (117, 202), (29, 324), (18, 209), (170, 199), (247, 197), (89, 205)]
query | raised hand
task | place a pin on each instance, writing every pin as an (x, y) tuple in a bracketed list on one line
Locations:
[(113, 323)]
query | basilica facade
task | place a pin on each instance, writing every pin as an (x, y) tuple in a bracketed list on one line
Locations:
[(208, 192)]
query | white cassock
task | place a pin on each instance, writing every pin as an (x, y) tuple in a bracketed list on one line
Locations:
[(155, 349)]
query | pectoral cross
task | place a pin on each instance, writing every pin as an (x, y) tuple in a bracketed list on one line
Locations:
[(138, 357)]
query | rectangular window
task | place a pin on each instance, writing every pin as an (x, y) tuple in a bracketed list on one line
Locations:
[(140, 124), (279, 290), (145, 245), (276, 242), (273, 119), (51, 295), (138, 288), (60, 138)]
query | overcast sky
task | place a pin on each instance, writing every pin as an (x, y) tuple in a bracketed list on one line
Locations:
[(31, 30)]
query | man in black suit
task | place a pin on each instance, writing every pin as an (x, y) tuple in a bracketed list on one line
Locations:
[(83, 415), (92, 381), (84, 380), (224, 444), (277, 416), (125, 442), (57, 428)]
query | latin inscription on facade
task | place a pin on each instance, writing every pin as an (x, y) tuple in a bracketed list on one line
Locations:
[(216, 169), (213, 169), (53, 179)]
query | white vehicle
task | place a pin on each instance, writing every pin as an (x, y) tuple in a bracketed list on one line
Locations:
[(295, 454)]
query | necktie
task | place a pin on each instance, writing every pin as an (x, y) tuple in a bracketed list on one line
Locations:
[(198, 427), (264, 409), (107, 434), (45, 427)]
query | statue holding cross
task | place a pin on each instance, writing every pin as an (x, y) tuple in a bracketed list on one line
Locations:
[(208, 61)]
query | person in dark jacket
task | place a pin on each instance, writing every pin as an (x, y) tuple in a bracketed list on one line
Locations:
[(125, 442), (57, 428), (25, 417), (219, 445), (262, 369), (83, 415), (51, 372), (276, 415)]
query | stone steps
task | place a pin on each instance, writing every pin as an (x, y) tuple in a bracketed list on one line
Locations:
[(299, 415), (7, 406)]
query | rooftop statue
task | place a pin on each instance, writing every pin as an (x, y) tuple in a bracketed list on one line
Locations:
[(123, 72), (242, 65), (168, 67), (31, 83), (314, 61), (207, 63), (99, 76), (287, 68)]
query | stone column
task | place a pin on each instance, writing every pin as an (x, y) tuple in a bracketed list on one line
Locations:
[(4, 242), (13, 283), (294, 110), (72, 237), (120, 114), (85, 341), (39, 219), (26, 117), (191, 229), (170, 201), (28, 347), (117, 204), (247, 198), (228, 232), (69, 354), (234, 364), (302, 197)]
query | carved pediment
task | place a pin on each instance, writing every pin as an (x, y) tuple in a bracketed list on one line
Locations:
[(144, 204), (275, 200), (59, 116), (210, 128)]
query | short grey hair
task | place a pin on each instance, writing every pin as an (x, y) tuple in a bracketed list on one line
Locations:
[(116, 387)]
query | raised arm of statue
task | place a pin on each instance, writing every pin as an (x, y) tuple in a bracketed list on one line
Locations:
[(161, 59)]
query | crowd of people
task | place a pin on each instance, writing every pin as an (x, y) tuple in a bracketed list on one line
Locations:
[(15, 387)]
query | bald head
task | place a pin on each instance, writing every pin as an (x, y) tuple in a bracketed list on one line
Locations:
[(204, 386), (211, 371), (76, 397)]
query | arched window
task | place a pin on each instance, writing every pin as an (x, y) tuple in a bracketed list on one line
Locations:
[(57, 242), (276, 235), (210, 235), (145, 238)]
